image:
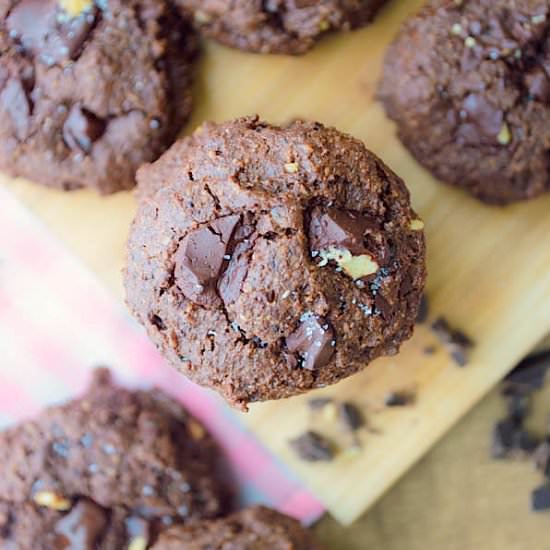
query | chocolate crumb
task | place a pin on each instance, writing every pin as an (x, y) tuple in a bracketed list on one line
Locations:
[(455, 341), (399, 399), (350, 416), (313, 447), (541, 458), (529, 375), (429, 350), (540, 498)]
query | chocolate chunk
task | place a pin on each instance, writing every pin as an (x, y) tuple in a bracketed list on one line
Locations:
[(47, 31), (200, 257), (239, 250), (313, 447), (82, 527), (540, 498), (399, 399), (518, 407), (423, 310), (82, 128), (341, 229), (350, 416), (319, 403), (456, 342), (541, 458), (529, 374), (510, 436), (15, 101), (503, 438), (313, 340), (538, 85)]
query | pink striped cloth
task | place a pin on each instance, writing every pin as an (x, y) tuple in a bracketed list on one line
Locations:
[(57, 322)]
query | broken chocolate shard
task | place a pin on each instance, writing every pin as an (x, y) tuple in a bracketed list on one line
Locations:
[(455, 341), (350, 416), (529, 374), (200, 257), (540, 498), (313, 447), (399, 399), (313, 341)]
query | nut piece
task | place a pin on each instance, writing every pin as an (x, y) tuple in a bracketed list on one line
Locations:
[(504, 136), (202, 18), (75, 7), (355, 266), (138, 543), (196, 430), (52, 500), (291, 167), (416, 225)]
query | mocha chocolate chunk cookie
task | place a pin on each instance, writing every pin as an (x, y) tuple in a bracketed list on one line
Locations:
[(89, 90), (468, 84), (255, 528), (110, 470), (268, 261), (276, 26)]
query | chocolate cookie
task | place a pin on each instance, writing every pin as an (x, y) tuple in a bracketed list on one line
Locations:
[(276, 26), (89, 90), (468, 84), (256, 528), (109, 470), (268, 261)]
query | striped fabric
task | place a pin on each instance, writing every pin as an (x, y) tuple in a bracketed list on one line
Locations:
[(57, 322)]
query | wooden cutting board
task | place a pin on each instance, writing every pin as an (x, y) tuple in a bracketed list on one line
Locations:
[(489, 269)]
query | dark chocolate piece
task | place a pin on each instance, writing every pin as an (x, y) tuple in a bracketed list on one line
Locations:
[(529, 374), (314, 341), (399, 399), (313, 447), (455, 341), (350, 416), (200, 257), (541, 458), (540, 498)]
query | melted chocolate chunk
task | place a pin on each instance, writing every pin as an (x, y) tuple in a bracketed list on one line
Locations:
[(82, 527), (313, 340), (200, 258), (46, 30), (82, 128), (342, 229), (313, 447)]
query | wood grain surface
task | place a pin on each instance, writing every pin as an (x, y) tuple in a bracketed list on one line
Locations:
[(488, 268)]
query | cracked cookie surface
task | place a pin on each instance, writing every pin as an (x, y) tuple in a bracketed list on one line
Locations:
[(254, 528), (89, 90), (277, 26), (468, 84), (110, 470), (268, 261)]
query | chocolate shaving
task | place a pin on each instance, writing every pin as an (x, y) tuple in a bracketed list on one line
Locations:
[(455, 341), (313, 447), (399, 399), (350, 416)]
